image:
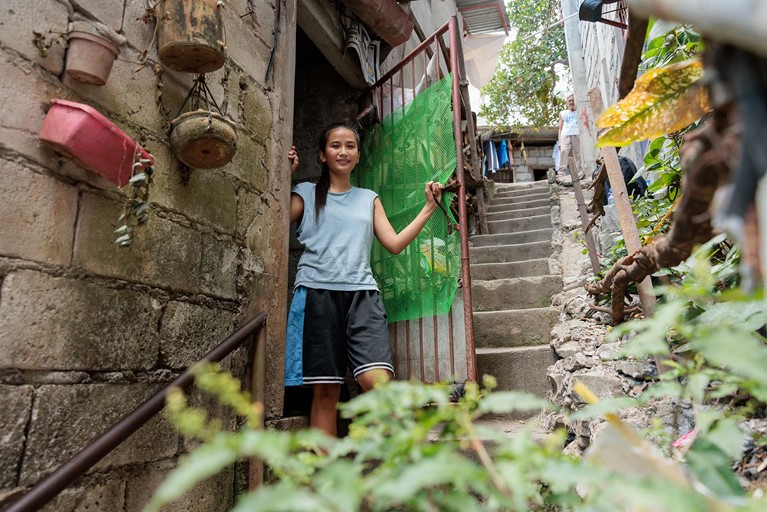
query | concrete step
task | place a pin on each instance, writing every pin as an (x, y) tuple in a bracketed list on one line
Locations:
[(538, 235), (517, 225), (488, 271), (507, 253), (519, 369), (492, 426), (504, 207), (522, 184), (510, 426), (521, 188), (514, 327), (518, 214), (514, 293), (513, 198)]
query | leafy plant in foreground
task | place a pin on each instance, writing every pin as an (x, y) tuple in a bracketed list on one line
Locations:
[(410, 448)]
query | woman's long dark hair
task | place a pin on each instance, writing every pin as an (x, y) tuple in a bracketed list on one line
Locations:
[(323, 185)]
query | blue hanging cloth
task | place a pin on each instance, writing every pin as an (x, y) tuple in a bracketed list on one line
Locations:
[(503, 154)]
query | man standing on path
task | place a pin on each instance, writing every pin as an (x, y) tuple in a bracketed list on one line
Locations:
[(569, 144)]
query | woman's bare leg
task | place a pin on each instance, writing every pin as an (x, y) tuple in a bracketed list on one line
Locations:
[(325, 407), (367, 380)]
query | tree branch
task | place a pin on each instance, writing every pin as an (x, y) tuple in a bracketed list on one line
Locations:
[(704, 162)]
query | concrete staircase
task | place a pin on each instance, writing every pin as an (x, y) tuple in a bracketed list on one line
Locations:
[(512, 288)]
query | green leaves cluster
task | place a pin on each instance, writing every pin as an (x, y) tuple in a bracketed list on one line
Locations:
[(406, 450), (663, 100), (410, 448), (136, 209), (668, 44), (521, 92), (707, 333)]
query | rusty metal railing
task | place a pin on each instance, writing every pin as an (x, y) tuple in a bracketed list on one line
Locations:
[(451, 57), (47, 489)]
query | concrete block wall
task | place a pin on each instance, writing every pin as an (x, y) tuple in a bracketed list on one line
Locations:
[(89, 330), (535, 157), (603, 50), (603, 47)]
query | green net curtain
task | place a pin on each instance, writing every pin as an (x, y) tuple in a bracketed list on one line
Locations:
[(410, 147)]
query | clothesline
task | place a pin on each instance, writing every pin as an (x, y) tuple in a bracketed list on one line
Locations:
[(544, 29)]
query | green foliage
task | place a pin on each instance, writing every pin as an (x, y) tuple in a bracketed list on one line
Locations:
[(521, 91), (662, 164), (410, 449), (663, 100), (707, 335), (666, 47), (136, 207)]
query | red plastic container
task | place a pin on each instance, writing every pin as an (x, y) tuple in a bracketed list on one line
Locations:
[(81, 133)]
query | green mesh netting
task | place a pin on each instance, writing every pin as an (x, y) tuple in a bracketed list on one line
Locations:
[(411, 146)]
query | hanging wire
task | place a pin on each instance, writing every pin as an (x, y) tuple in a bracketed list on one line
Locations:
[(198, 93)]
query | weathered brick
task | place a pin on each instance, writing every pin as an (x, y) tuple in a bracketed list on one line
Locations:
[(219, 190), (219, 267), (73, 170), (55, 322), (214, 408), (164, 253), (249, 52), (274, 217), (262, 17), (129, 92), (249, 162), (41, 208), (233, 92), (175, 87), (211, 495), (279, 173), (189, 331), (28, 144), (107, 496), (21, 19), (268, 292), (249, 207), (140, 35), (256, 112), (24, 95), (109, 12), (16, 404), (66, 418)]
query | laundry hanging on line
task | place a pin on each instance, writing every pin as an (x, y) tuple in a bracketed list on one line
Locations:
[(497, 155), (491, 157), (503, 154)]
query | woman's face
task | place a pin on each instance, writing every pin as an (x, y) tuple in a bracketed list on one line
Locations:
[(341, 152)]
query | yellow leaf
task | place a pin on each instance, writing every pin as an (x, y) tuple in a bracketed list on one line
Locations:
[(662, 101)]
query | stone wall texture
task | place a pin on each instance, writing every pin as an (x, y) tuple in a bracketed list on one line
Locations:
[(89, 330)]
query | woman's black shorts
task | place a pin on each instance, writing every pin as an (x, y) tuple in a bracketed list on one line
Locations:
[(327, 328)]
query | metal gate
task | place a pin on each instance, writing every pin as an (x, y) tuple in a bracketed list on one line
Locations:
[(438, 347)]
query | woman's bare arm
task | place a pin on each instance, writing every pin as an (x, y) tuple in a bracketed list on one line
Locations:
[(296, 201), (396, 242), (296, 207)]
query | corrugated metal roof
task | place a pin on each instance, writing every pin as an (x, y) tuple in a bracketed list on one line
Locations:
[(528, 135), (484, 16)]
